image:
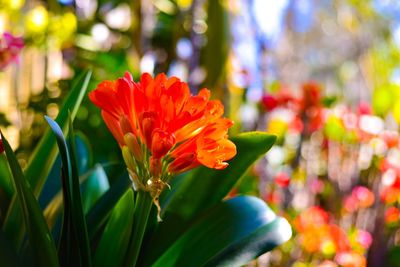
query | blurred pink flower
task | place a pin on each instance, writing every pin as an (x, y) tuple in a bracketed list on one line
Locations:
[(317, 186), (364, 238), (364, 108), (328, 263), (350, 259), (10, 47), (365, 198), (350, 204)]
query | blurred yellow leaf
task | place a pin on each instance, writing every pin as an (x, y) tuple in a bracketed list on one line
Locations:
[(381, 101)]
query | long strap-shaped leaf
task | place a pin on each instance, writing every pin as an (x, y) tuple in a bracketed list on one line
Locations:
[(90, 194), (231, 234), (43, 158), (99, 213), (7, 255), (205, 187), (74, 236), (115, 238), (35, 170), (40, 239), (202, 189)]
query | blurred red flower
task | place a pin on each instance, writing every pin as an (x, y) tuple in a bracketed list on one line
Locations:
[(1, 146), (282, 179), (392, 215)]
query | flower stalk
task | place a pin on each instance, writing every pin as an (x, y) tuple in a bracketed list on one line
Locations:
[(143, 205)]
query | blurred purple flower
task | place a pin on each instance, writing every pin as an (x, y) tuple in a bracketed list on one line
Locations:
[(10, 47)]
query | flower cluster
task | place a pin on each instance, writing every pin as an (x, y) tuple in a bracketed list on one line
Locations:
[(162, 129), (344, 159), (318, 235)]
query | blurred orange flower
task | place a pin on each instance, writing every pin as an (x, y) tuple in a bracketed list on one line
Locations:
[(312, 217), (364, 196), (311, 95), (316, 234), (162, 129), (392, 216)]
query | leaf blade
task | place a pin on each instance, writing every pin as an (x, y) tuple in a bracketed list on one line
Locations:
[(117, 232), (40, 238), (187, 197), (100, 211), (73, 101), (74, 228), (235, 226), (42, 159)]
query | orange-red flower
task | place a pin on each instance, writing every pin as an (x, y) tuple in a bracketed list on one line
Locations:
[(162, 129)]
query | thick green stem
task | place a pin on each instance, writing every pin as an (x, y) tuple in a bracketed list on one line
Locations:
[(143, 206)]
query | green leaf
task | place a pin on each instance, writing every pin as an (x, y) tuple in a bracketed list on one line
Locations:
[(203, 188), (94, 183), (42, 159), (7, 255), (83, 152), (53, 210), (141, 214), (100, 211), (393, 257), (6, 187), (44, 155), (40, 239), (217, 45), (262, 240), (77, 214), (5, 177), (117, 232), (94, 187), (240, 228), (51, 195), (74, 238)]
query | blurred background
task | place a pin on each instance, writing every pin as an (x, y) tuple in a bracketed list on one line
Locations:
[(322, 75)]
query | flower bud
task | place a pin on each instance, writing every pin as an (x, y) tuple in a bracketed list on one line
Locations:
[(134, 147), (161, 143)]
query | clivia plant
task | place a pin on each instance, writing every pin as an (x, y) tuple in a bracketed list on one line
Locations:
[(169, 208)]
